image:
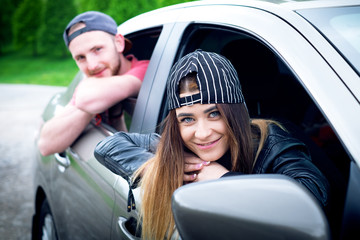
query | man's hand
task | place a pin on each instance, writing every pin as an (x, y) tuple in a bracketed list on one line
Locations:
[(60, 132)]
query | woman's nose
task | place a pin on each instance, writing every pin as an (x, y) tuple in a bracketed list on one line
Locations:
[(203, 130)]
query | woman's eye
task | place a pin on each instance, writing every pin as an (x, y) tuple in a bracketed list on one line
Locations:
[(214, 114), (186, 120)]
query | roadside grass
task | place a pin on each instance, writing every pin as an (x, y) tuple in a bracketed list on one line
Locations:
[(20, 68)]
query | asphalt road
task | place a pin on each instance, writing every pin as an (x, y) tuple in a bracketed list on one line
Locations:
[(21, 107)]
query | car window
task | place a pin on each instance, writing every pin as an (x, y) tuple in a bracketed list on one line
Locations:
[(143, 44), (272, 90)]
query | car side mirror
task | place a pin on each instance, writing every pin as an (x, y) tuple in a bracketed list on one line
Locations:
[(248, 207)]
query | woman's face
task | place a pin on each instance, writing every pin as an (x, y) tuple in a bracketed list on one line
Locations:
[(203, 130)]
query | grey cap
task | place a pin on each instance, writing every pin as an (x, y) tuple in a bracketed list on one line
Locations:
[(216, 77), (93, 21)]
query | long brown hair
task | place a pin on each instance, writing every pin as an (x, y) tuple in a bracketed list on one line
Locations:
[(163, 174), (237, 121)]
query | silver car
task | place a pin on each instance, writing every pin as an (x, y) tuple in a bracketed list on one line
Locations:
[(298, 62)]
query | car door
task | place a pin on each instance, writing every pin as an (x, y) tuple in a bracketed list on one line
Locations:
[(284, 79), (82, 193)]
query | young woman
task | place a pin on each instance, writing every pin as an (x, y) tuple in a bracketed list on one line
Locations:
[(208, 134)]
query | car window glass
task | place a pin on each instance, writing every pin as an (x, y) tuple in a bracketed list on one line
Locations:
[(341, 26), (271, 90)]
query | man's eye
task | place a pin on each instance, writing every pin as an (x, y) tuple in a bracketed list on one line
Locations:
[(98, 49), (79, 58)]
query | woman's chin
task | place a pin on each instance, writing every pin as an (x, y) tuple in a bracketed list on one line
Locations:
[(209, 157)]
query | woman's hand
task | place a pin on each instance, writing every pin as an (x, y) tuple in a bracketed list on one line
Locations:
[(198, 170), (193, 165), (211, 171)]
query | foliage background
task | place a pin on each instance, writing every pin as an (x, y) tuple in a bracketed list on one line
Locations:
[(32, 49)]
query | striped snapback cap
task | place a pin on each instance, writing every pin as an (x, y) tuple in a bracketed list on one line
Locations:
[(216, 77)]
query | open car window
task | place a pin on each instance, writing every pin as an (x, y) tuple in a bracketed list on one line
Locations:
[(272, 90), (143, 44)]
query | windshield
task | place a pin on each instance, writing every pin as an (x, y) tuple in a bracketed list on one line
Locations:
[(341, 26)]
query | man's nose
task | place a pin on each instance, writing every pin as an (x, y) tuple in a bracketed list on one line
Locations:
[(203, 130), (92, 63)]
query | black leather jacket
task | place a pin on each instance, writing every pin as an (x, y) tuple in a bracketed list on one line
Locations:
[(123, 153)]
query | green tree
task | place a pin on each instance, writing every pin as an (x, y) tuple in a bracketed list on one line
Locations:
[(7, 10), (26, 24), (56, 16), (118, 10), (164, 3), (91, 5), (122, 10)]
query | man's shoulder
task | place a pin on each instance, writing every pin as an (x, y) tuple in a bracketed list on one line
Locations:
[(136, 62), (138, 67)]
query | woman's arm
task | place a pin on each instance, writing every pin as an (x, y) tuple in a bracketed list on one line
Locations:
[(296, 163), (284, 154), (123, 153)]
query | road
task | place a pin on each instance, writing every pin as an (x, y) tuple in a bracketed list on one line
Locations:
[(20, 117)]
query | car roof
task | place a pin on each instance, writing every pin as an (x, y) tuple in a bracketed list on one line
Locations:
[(169, 14)]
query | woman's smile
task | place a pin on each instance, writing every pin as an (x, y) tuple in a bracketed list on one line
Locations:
[(209, 145), (203, 130)]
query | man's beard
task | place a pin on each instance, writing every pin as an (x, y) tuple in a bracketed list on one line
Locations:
[(116, 70)]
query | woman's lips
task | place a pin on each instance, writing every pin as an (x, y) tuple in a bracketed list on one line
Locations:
[(208, 145)]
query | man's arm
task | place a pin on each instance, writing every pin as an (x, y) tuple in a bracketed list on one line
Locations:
[(62, 130), (95, 95)]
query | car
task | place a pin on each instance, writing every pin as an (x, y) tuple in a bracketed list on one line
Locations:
[(298, 62)]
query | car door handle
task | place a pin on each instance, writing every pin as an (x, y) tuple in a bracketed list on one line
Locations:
[(62, 159), (124, 231)]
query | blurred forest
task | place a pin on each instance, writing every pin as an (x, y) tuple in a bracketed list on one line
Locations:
[(36, 26)]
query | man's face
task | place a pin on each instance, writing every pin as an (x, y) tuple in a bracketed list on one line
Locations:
[(96, 54)]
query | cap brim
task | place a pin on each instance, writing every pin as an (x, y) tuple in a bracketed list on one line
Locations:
[(128, 45)]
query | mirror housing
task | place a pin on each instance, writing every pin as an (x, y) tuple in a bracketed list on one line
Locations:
[(248, 207)]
